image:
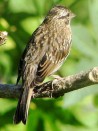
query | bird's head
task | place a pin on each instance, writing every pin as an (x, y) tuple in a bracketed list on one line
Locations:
[(60, 12)]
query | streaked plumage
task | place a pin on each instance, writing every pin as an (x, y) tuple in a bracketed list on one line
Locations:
[(44, 54)]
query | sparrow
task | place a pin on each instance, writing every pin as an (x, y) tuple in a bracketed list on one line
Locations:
[(44, 54)]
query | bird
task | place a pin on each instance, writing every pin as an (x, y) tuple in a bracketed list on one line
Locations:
[(44, 54)]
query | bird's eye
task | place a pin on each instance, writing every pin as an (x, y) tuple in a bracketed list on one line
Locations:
[(67, 15)]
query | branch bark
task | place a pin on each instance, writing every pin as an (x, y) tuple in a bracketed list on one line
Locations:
[(3, 37), (55, 88)]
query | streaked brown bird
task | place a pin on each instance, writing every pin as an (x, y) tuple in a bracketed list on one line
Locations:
[(47, 49)]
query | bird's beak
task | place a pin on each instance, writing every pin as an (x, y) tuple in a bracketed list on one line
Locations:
[(72, 15)]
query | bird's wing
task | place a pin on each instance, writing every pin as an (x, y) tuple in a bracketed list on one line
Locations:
[(50, 63), (34, 50)]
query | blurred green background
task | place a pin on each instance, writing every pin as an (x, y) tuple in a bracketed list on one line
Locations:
[(75, 111)]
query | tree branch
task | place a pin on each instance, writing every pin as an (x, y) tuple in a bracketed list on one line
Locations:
[(55, 88), (3, 37)]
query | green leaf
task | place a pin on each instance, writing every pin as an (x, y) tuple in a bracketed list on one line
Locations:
[(31, 23), (86, 113), (95, 100), (26, 6), (82, 40), (33, 119), (6, 105), (93, 10), (74, 97)]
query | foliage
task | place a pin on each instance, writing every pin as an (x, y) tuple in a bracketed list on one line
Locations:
[(76, 111)]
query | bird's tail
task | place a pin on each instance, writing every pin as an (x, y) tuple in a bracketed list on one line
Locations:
[(21, 113)]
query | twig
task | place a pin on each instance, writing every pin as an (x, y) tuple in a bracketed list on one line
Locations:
[(3, 37)]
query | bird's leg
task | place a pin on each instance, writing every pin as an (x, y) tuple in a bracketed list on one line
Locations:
[(56, 77), (33, 94)]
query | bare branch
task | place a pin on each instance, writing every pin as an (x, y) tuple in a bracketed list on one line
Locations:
[(55, 88)]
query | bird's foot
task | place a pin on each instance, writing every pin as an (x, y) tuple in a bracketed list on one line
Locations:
[(33, 94), (57, 77)]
